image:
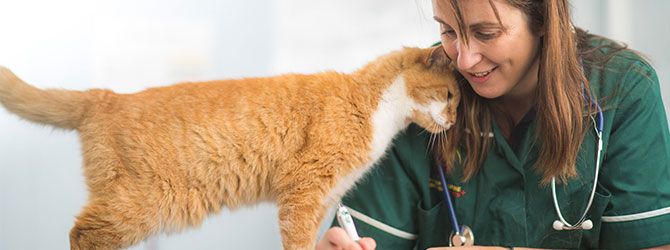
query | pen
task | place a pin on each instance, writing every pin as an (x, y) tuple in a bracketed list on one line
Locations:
[(346, 222)]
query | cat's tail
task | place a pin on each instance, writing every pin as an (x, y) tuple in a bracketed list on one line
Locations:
[(59, 108)]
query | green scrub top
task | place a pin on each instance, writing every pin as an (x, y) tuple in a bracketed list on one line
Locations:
[(401, 205)]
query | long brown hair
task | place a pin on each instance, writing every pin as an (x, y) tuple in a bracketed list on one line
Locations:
[(561, 107)]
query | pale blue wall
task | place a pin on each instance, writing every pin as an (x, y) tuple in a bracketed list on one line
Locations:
[(124, 45)]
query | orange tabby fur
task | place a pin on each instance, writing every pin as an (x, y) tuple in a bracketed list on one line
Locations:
[(164, 158)]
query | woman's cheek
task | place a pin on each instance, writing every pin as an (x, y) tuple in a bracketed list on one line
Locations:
[(451, 51)]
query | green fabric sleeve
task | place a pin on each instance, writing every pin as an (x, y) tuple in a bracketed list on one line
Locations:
[(636, 166)]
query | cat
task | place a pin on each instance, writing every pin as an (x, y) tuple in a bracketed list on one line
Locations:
[(163, 159)]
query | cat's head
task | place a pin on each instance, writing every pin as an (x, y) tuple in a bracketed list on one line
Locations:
[(431, 82)]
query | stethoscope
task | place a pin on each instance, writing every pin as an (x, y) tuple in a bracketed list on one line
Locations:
[(462, 235), (582, 223)]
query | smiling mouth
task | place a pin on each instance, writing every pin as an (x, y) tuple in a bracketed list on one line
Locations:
[(485, 73)]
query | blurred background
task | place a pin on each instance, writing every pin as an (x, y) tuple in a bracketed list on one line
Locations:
[(129, 45)]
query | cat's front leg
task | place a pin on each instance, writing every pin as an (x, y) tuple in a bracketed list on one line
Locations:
[(300, 213)]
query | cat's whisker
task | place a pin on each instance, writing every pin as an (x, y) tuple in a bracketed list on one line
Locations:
[(427, 145), (433, 137), (423, 131), (430, 138), (443, 137), (440, 138)]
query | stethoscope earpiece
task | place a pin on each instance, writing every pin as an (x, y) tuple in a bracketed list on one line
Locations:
[(559, 226)]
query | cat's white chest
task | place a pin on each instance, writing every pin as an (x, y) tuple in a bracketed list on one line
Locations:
[(390, 118)]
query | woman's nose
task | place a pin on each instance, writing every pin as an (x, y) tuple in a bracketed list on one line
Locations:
[(468, 56)]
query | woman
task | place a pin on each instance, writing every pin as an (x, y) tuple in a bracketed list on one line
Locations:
[(525, 118)]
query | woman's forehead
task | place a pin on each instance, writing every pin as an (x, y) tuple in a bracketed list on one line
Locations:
[(474, 12)]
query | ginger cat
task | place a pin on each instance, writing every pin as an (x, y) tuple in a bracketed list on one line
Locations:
[(164, 158)]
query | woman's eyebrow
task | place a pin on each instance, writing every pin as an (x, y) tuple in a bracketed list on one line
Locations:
[(479, 25), (439, 20), (485, 24)]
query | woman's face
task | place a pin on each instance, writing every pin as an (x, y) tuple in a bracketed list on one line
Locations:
[(499, 61)]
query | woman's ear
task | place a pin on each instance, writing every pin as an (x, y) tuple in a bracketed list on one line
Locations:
[(437, 56)]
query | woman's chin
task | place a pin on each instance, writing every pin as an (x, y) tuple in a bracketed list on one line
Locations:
[(488, 93)]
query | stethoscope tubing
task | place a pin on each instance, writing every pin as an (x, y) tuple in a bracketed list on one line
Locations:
[(598, 125), (447, 197)]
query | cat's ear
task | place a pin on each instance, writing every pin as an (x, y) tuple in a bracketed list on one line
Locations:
[(437, 56)]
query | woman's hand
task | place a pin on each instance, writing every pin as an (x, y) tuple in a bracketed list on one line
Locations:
[(337, 239)]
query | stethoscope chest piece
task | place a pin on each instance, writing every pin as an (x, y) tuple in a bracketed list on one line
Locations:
[(464, 238)]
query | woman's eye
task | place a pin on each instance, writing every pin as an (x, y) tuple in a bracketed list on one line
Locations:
[(449, 33), (486, 35)]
